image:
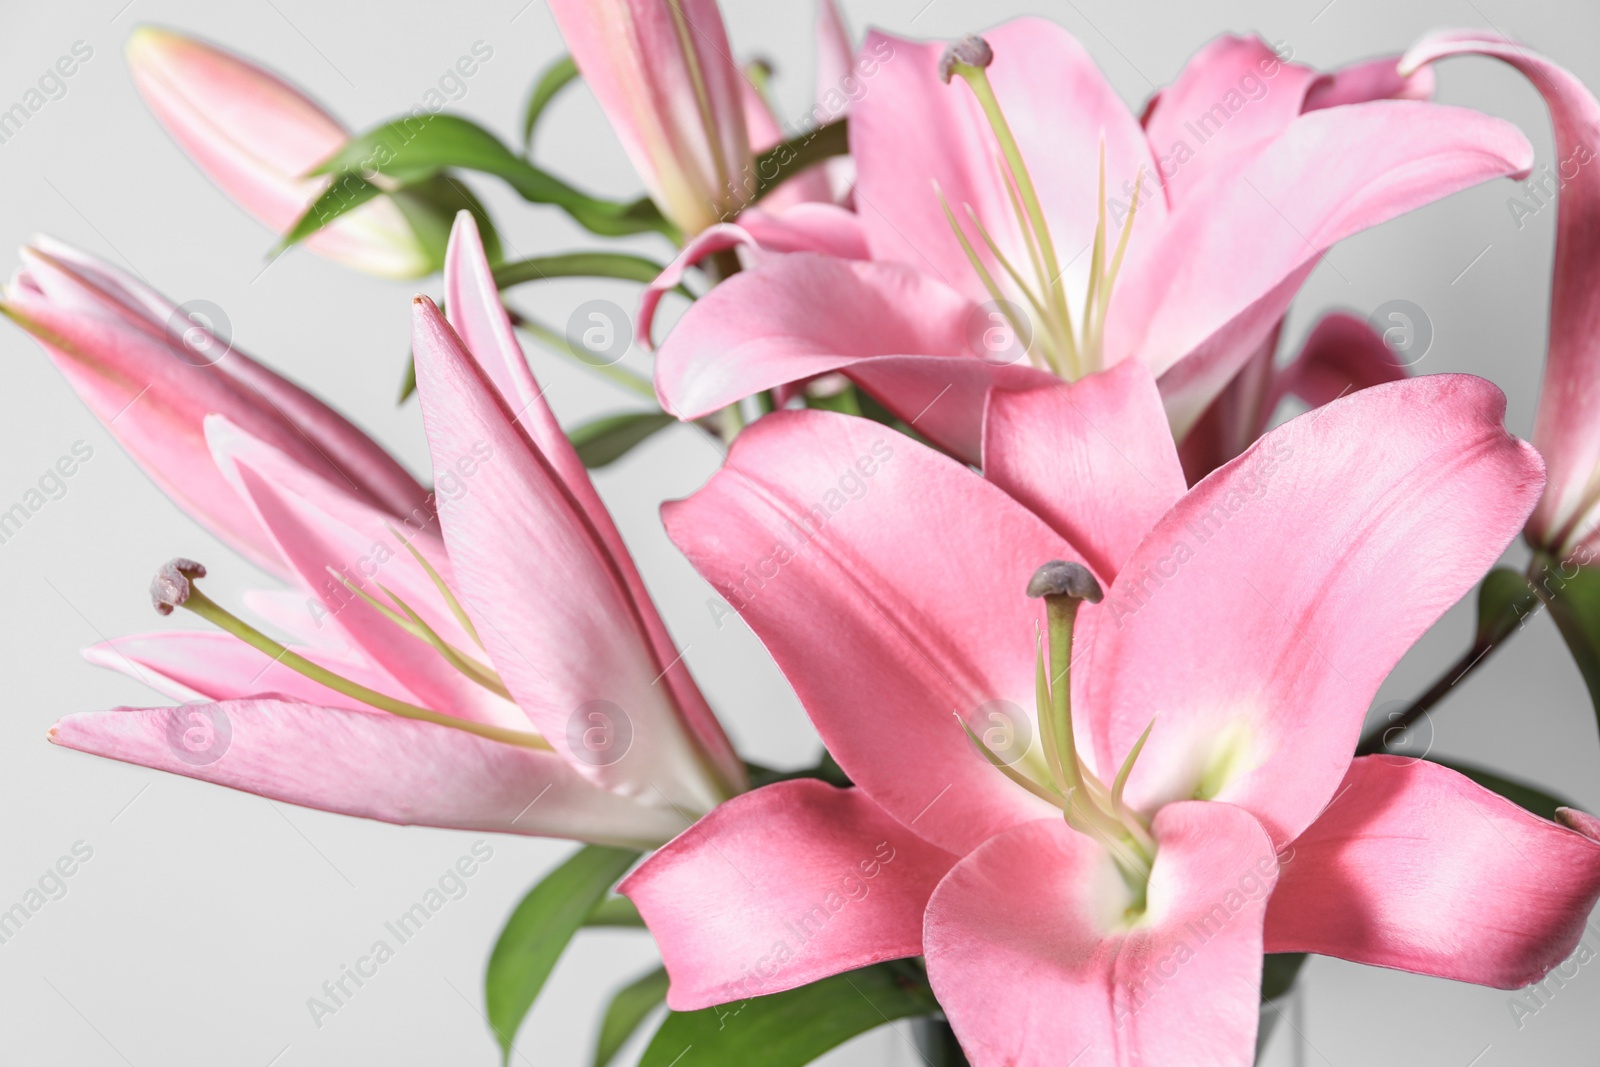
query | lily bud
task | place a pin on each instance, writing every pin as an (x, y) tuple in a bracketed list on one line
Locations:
[(663, 73), (255, 136)]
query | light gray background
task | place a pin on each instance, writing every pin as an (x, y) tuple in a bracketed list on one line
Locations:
[(207, 917)]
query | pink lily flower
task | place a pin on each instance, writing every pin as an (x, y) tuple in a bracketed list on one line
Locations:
[(1097, 884), (439, 676), (255, 135), (1566, 429), (664, 74), (152, 372), (989, 213)]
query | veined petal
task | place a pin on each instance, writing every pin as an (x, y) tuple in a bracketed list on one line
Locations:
[(1034, 961), (1567, 428), (898, 332), (663, 72), (569, 648), (480, 319), (1416, 867), (783, 886), (823, 516), (1094, 459), (910, 131), (256, 135), (1260, 615), (1233, 248), (374, 766), (213, 666)]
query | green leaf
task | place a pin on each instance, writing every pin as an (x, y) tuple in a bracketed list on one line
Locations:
[(784, 160), (1521, 794), (615, 911), (577, 265), (348, 192), (411, 150), (1574, 602), (629, 1007), (793, 1027), (608, 439), (1504, 599), (556, 77), (538, 931)]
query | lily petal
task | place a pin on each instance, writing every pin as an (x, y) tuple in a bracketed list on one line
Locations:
[(1031, 955), (1566, 429), (1242, 242), (1260, 615), (481, 320), (1416, 867), (1094, 459), (898, 332), (373, 766), (817, 515), (776, 888), (1342, 355), (567, 649)]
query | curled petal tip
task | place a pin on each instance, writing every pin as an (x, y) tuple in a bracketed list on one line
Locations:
[(170, 587), (970, 51), (1061, 578)]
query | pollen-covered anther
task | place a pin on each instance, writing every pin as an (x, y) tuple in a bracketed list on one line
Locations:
[(970, 51), (1062, 578), (170, 587)]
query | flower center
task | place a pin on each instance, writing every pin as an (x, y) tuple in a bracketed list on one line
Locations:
[(1069, 350), (1088, 804), (173, 587)]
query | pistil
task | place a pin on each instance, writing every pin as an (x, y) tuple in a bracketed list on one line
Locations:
[(174, 587)]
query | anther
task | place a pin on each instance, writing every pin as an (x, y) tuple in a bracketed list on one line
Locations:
[(170, 587), (970, 51), (1061, 578)]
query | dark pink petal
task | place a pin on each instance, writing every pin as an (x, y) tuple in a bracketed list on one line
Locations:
[(1342, 355), (1416, 867), (1094, 459), (1567, 428), (375, 766), (1032, 957), (1261, 614), (783, 886), (918, 570)]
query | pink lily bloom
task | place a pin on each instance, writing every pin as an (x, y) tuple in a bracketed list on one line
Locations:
[(1097, 884), (664, 74), (1022, 224), (256, 136), (1566, 429), (438, 675)]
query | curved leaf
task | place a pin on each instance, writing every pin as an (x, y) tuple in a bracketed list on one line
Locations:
[(577, 265), (556, 77), (616, 912), (787, 158), (629, 1007), (1574, 602), (538, 931), (608, 439)]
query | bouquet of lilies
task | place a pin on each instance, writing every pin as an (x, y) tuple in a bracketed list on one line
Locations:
[(1089, 625)]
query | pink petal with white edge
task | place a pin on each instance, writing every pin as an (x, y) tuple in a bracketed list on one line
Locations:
[(1032, 958), (481, 320), (1566, 429), (1094, 459), (783, 886), (910, 131), (567, 648), (1242, 235), (1259, 617), (370, 765), (819, 516), (899, 333), (210, 665), (1416, 867)]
